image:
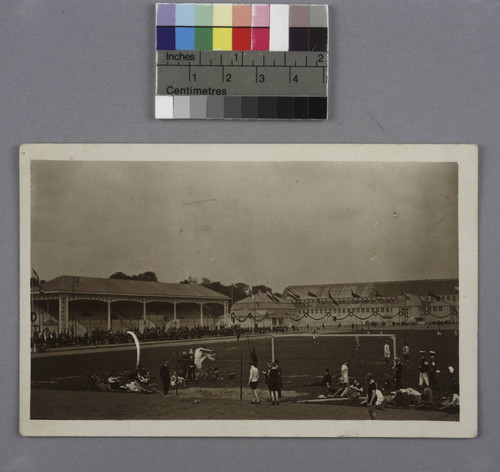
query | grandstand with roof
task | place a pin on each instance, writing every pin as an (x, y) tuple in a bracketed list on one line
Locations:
[(80, 304), (344, 304)]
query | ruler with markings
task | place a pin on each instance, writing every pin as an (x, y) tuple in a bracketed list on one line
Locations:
[(242, 73)]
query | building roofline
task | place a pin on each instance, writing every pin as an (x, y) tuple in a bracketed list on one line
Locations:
[(211, 296), (376, 282)]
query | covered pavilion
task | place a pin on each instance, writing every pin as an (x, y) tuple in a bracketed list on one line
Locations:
[(73, 303)]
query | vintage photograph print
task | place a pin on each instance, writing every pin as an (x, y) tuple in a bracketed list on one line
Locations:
[(307, 290)]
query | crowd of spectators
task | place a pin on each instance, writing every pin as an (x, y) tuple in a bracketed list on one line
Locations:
[(49, 339)]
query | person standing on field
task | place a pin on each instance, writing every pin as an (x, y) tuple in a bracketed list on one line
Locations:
[(371, 398), (398, 374), (266, 376), (406, 354), (280, 378), (344, 373), (273, 383), (423, 370), (433, 369), (387, 353), (253, 380), (165, 377)]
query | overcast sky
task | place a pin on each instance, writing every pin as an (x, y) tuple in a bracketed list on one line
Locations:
[(260, 223)]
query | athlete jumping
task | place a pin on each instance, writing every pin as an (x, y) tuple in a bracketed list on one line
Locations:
[(200, 355)]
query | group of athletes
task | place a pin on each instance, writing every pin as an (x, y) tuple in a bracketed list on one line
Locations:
[(138, 381), (393, 391), (273, 379), (189, 368), (190, 365)]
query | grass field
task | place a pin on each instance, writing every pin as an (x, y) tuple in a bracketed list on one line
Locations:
[(301, 361)]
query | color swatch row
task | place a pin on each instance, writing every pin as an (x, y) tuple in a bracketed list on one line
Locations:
[(228, 27), (231, 107)]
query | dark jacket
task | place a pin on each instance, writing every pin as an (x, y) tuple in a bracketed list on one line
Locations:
[(273, 380), (165, 373)]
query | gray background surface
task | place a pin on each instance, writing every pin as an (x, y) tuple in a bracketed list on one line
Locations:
[(418, 71)]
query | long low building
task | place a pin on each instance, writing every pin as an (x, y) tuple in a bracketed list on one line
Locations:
[(80, 304), (262, 310), (412, 301)]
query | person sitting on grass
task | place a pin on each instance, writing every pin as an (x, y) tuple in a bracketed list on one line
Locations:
[(427, 398), (213, 375), (344, 381), (355, 390), (351, 391), (335, 389), (98, 384), (404, 396), (208, 374), (342, 390), (326, 381), (134, 386), (177, 380), (451, 403), (144, 376), (114, 380)]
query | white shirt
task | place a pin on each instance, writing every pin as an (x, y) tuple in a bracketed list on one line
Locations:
[(254, 374), (344, 372), (387, 350)]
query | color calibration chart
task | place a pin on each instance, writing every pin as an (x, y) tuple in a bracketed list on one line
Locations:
[(236, 61)]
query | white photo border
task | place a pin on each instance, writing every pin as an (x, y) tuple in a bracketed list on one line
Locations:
[(465, 155)]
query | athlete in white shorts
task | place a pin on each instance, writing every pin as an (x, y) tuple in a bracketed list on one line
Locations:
[(423, 370), (380, 398)]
